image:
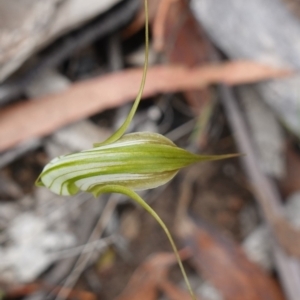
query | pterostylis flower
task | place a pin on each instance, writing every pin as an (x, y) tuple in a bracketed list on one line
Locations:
[(123, 164), (137, 161)]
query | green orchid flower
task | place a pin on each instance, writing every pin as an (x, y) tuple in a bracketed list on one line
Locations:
[(136, 161), (123, 164)]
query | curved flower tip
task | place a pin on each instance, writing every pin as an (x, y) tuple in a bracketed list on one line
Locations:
[(137, 161)]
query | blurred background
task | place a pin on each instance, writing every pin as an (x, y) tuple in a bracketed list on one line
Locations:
[(222, 79)]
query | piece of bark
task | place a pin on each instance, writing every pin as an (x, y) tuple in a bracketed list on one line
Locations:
[(288, 266), (42, 117), (265, 190), (28, 25), (265, 31), (62, 48), (266, 131)]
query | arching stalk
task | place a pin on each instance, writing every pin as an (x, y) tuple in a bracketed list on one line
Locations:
[(116, 135), (135, 197)]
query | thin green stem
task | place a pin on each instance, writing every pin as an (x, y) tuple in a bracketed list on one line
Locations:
[(118, 134), (134, 196)]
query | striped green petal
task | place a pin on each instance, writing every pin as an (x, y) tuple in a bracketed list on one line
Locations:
[(137, 161)]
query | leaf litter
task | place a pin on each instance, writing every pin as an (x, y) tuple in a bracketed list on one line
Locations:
[(94, 95)]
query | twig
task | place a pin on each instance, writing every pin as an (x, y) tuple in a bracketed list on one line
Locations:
[(84, 258), (98, 245), (115, 59), (12, 154), (181, 130), (266, 194), (66, 207)]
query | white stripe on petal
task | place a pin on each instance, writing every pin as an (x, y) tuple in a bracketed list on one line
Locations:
[(54, 179), (86, 183)]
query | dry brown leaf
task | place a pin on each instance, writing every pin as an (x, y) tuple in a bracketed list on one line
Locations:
[(186, 44), (224, 264), (218, 258), (139, 22), (32, 119), (25, 290), (173, 292), (74, 294), (145, 281), (22, 291), (184, 40), (159, 24)]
